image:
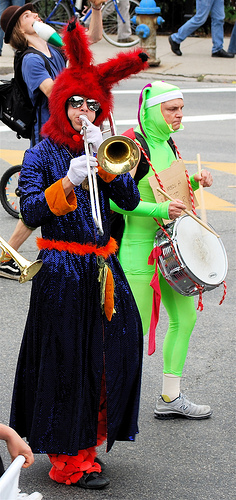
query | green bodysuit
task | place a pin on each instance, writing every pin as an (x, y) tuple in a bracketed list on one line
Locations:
[(138, 239)]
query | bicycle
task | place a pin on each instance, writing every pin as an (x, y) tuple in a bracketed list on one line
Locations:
[(9, 191), (62, 10)]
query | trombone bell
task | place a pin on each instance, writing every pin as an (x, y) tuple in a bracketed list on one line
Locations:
[(118, 154), (28, 269)]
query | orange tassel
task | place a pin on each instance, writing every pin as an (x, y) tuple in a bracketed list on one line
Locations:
[(109, 295)]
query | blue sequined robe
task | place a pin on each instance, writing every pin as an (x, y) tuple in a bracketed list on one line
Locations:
[(67, 341)]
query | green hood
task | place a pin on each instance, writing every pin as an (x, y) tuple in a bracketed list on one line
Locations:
[(151, 121)]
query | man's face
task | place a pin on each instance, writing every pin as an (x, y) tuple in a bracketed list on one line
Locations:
[(172, 112), (27, 20), (74, 114)]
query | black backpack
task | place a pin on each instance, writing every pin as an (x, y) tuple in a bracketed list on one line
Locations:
[(16, 108)]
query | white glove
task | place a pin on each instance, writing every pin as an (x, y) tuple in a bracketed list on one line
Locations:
[(78, 169), (94, 134)]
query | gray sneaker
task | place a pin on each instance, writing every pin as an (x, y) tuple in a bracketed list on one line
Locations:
[(181, 407)]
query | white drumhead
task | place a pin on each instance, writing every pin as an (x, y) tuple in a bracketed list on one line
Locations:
[(202, 252)]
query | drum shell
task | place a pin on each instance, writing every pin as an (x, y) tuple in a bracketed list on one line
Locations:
[(173, 267)]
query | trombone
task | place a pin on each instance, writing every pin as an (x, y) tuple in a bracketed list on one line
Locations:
[(28, 269), (117, 155), (93, 187)]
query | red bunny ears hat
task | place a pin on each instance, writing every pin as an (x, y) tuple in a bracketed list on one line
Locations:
[(84, 78)]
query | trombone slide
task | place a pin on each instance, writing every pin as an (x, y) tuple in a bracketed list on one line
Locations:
[(93, 187)]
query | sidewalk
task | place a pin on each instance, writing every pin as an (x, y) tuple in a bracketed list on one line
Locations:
[(196, 62)]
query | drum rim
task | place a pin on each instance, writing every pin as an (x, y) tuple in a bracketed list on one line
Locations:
[(174, 225)]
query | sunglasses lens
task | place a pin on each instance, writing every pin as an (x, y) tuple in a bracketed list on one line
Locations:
[(93, 105), (76, 101)]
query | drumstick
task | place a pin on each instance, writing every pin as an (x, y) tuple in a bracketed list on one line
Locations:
[(203, 209), (188, 212)]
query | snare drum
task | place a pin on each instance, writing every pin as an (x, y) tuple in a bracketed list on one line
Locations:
[(200, 256)]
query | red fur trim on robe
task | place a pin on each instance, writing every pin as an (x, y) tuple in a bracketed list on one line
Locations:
[(81, 249)]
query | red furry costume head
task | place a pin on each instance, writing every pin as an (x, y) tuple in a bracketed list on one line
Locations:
[(84, 78)]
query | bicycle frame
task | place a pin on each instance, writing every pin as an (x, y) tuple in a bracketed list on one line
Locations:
[(48, 20), (84, 18)]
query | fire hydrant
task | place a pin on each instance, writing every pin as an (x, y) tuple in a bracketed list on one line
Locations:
[(147, 21)]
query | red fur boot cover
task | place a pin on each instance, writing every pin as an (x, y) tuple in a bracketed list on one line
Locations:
[(69, 469)]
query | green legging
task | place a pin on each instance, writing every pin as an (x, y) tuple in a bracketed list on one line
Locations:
[(136, 246), (182, 318)]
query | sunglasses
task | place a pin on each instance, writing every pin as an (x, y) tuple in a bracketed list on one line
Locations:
[(76, 102)]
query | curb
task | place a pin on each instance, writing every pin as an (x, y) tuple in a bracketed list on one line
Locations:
[(211, 78)]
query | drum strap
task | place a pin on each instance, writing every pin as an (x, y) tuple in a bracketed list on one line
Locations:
[(159, 180)]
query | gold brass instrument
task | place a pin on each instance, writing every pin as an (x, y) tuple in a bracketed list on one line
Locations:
[(28, 269), (117, 155)]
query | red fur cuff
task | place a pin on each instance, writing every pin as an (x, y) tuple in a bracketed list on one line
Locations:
[(57, 201)]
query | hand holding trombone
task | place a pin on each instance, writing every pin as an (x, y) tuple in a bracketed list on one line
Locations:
[(116, 155)]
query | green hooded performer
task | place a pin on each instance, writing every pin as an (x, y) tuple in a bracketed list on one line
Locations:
[(159, 115)]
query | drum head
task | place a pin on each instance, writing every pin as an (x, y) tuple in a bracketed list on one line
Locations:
[(202, 252)]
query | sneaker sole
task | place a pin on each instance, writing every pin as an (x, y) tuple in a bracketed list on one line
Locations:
[(169, 415), (8, 276)]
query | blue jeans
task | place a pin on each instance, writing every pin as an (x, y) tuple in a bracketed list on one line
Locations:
[(3, 5), (203, 9), (232, 43), (124, 29)]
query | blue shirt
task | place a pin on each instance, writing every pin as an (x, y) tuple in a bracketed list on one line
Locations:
[(34, 73)]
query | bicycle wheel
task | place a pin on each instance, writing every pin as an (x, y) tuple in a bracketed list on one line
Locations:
[(9, 192), (109, 16), (60, 17)]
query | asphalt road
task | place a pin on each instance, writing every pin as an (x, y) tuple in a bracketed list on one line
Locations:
[(171, 459)]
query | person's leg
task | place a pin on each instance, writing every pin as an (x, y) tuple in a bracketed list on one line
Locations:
[(203, 8), (83, 470), (1, 40), (124, 29), (232, 43), (3, 5), (1, 467), (217, 25), (182, 318), (19, 3)]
